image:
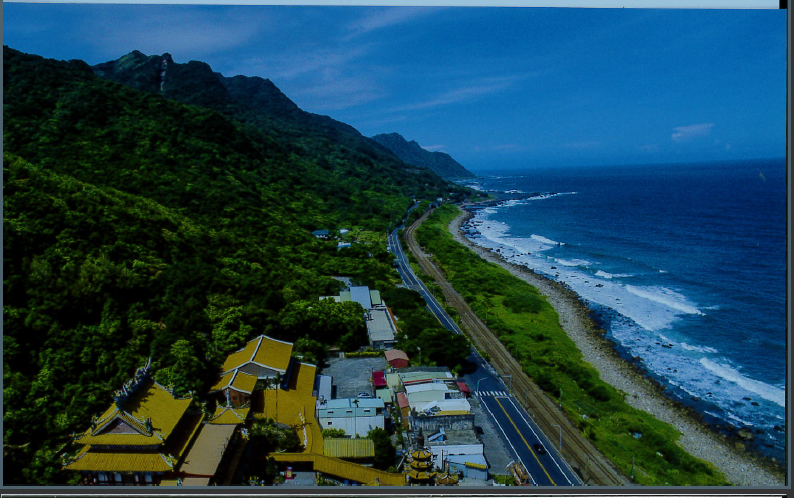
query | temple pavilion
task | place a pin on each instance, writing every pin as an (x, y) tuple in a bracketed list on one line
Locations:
[(140, 439)]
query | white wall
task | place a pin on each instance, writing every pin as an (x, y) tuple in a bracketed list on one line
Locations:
[(353, 425)]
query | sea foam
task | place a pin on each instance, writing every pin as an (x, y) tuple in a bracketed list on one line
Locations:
[(666, 297), (610, 276), (769, 393)]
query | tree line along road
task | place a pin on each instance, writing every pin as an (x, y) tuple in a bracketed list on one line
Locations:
[(593, 467)]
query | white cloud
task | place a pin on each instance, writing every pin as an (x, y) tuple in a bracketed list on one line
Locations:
[(482, 87), (331, 93), (384, 18), (687, 133), (296, 63)]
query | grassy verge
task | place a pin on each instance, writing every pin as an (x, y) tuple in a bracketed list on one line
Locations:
[(529, 327)]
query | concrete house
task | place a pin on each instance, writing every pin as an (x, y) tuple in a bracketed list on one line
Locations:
[(354, 416)]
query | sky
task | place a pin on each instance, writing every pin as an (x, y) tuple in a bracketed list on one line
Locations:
[(492, 87)]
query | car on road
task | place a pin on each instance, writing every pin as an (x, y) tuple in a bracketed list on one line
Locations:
[(539, 448)]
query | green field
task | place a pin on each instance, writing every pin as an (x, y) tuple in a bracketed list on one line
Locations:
[(529, 327)]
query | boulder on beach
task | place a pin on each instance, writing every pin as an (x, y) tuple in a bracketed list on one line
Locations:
[(745, 434)]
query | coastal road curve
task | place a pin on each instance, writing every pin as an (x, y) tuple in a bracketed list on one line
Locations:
[(589, 463)]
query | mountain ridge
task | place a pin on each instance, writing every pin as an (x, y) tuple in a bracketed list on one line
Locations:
[(412, 153)]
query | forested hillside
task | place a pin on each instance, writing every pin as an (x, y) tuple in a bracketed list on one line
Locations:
[(136, 226)]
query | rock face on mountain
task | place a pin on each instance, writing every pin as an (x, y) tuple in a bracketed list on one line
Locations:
[(412, 153)]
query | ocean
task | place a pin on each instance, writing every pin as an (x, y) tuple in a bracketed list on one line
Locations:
[(683, 264)]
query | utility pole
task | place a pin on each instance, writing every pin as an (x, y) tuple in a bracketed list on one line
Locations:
[(559, 427), (585, 469), (632, 468)]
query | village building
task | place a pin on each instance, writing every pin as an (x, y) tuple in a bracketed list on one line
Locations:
[(381, 388), (381, 327), (458, 451), (396, 358), (353, 415)]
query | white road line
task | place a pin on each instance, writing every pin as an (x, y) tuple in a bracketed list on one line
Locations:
[(539, 439), (510, 443)]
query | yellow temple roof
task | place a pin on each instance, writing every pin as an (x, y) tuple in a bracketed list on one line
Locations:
[(127, 425), (262, 350)]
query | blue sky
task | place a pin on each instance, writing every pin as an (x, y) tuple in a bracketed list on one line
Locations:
[(493, 87)]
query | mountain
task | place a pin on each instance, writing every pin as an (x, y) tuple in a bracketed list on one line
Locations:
[(138, 226), (321, 140), (438, 162)]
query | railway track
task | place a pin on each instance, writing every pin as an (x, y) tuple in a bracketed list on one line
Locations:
[(587, 461)]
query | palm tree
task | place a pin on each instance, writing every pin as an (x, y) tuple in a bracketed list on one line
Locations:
[(355, 417)]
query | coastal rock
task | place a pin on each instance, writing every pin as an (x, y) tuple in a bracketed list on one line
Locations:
[(745, 434), (739, 446)]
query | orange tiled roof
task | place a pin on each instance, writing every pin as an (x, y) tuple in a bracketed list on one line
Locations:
[(126, 426)]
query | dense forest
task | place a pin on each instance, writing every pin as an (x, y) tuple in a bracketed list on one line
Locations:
[(175, 225)]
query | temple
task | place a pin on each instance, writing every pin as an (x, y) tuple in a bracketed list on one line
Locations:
[(140, 440)]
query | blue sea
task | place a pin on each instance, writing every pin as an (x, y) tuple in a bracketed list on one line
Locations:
[(684, 264)]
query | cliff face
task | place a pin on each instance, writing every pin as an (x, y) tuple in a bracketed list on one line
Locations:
[(438, 162)]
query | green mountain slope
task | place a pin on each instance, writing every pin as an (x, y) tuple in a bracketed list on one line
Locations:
[(135, 226), (337, 150), (438, 162)]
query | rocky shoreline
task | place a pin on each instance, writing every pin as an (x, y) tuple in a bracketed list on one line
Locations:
[(740, 468)]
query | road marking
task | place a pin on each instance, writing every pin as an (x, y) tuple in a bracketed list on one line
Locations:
[(534, 482), (525, 442), (551, 455)]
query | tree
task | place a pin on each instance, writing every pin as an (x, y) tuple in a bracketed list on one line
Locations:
[(384, 449), (187, 371)]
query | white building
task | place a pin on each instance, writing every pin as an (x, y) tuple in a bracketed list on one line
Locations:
[(353, 415), (457, 449)]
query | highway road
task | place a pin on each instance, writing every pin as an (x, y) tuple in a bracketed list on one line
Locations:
[(516, 428)]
